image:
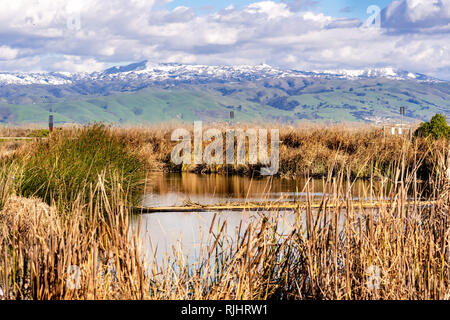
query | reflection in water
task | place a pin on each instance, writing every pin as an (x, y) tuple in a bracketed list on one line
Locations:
[(188, 232), (175, 189)]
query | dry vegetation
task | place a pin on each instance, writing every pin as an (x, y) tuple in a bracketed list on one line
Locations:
[(304, 151), (311, 150), (334, 252)]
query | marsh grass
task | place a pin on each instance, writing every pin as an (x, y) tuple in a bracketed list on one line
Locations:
[(308, 150), (304, 150), (67, 165), (395, 250), (343, 250), (39, 246)]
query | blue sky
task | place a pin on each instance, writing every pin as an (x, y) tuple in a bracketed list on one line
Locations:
[(336, 8), (87, 35)]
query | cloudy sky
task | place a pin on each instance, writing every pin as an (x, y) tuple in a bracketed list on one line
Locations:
[(91, 35)]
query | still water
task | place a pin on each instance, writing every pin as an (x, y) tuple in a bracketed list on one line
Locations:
[(162, 233), (164, 189)]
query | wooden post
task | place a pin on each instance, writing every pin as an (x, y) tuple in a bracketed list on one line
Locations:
[(50, 123)]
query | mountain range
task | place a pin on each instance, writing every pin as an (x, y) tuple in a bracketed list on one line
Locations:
[(143, 92)]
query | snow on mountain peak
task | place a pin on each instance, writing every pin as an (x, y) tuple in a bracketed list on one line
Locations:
[(388, 73), (34, 78), (148, 72)]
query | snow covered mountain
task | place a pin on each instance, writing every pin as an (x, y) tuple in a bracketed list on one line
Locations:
[(35, 78), (387, 73), (153, 93), (146, 72)]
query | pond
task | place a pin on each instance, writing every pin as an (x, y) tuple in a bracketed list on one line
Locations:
[(187, 232), (175, 189)]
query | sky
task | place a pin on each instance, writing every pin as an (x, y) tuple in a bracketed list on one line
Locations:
[(335, 8), (92, 35)]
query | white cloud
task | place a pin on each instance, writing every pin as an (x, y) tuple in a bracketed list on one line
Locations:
[(408, 15), (70, 63), (277, 33), (271, 9), (7, 53)]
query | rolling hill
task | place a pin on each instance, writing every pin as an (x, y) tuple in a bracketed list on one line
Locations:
[(144, 93)]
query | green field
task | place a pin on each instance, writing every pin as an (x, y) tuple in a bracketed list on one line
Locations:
[(279, 100)]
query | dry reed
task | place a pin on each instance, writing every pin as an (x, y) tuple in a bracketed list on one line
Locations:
[(395, 250)]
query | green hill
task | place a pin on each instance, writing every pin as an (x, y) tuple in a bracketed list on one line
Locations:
[(287, 100)]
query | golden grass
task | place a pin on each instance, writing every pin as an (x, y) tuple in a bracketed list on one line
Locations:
[(305, 150), (38, 248), (311, 150), (340, 250)]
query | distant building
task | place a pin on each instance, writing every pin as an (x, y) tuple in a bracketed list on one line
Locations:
[(397, 130)]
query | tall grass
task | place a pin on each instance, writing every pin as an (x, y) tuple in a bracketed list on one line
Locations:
[(396, 249), (39, 248), (67, 165), (304, 151)]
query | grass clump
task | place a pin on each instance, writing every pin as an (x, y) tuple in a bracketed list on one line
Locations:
[(39, 246), (69, 165)]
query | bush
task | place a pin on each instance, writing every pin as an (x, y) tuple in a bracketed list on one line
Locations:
[(437, 128), (70, 162)]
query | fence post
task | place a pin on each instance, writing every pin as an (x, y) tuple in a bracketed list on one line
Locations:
[(50, 123)]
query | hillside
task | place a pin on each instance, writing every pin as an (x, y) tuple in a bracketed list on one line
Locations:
[(144, 93)]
